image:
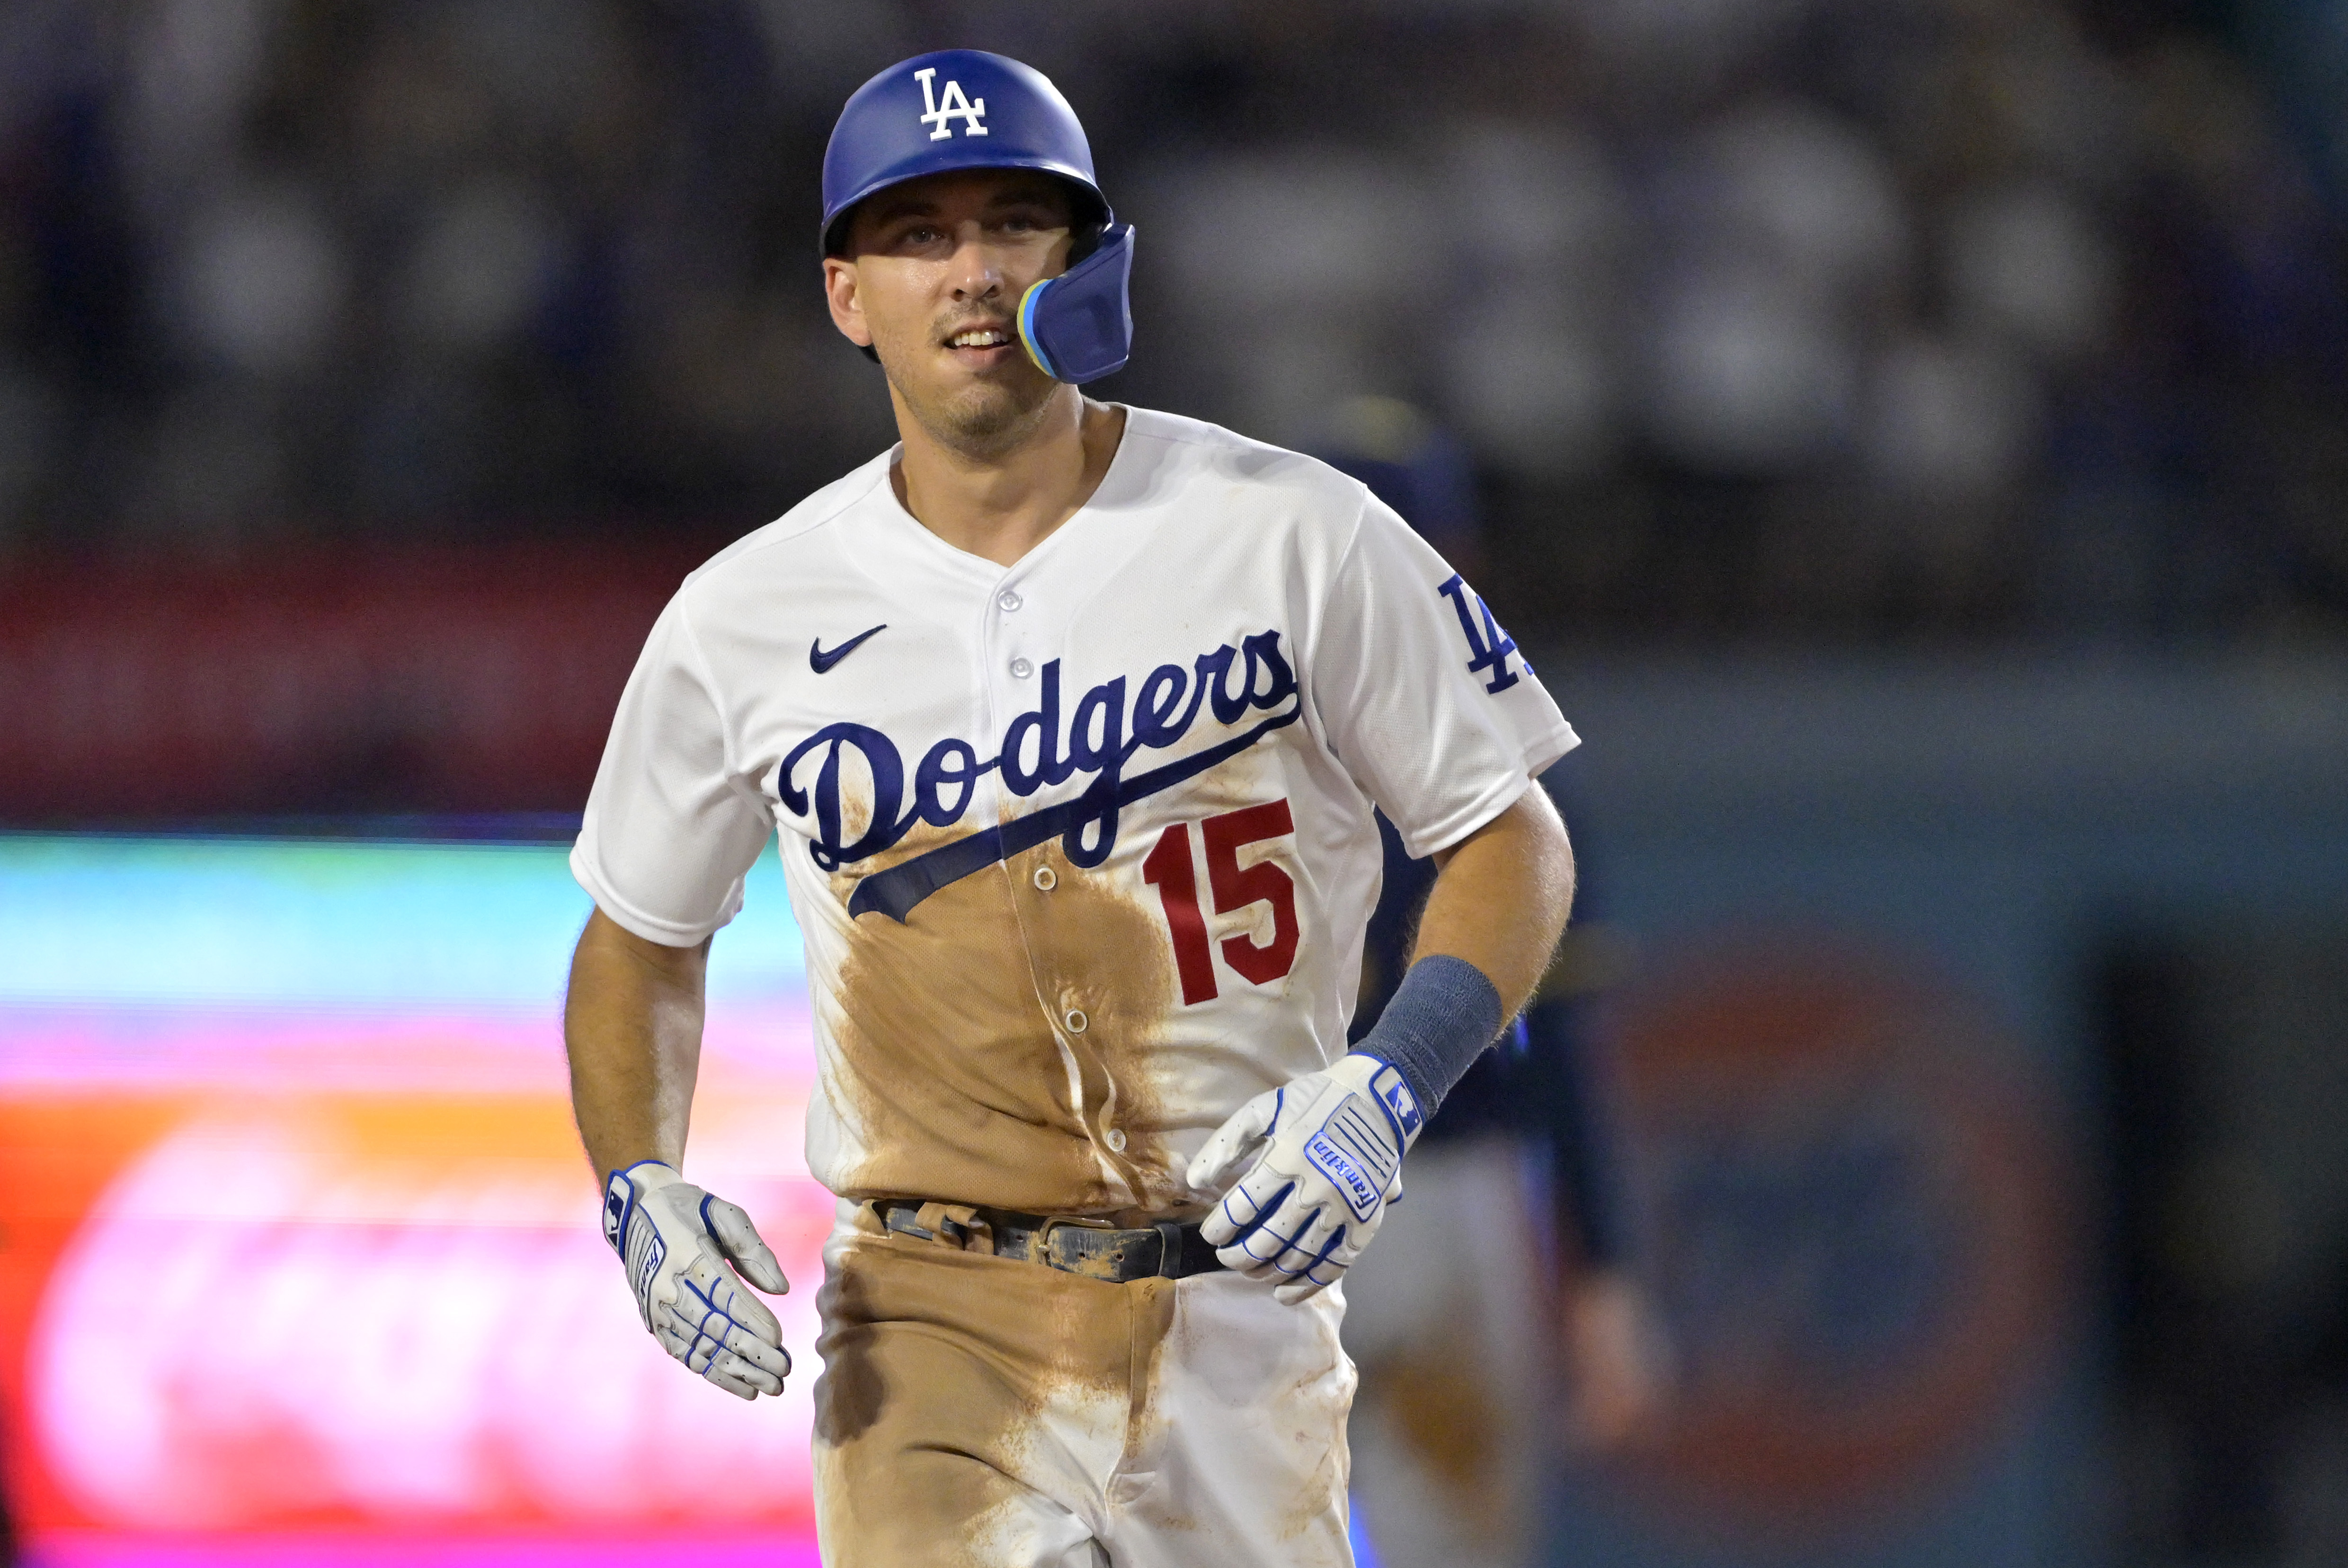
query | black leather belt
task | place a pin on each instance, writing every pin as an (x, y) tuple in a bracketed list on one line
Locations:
[(1168, 1249)]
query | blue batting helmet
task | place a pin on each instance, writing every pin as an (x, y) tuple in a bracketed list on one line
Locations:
[(964, 108)]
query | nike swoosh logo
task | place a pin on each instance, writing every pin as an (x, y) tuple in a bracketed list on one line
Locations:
[(818, 661)]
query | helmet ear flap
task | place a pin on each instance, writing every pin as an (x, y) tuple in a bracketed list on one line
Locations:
[(1078, 327)]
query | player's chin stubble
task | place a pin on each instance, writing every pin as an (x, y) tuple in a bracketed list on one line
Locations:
[(983, 418)]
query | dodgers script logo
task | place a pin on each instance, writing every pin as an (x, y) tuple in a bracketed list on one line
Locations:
[(1103, 730), (955, 106)]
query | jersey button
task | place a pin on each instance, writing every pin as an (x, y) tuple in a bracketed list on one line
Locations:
[(1021, 669), (1009, 600), (1045, 879), (1077, 1021), (1115, 1139)]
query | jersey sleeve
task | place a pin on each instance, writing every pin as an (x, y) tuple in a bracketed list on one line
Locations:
[(1425, 699), (671, 829)]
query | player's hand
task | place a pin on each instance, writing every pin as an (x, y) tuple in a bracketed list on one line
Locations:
[(1618, 1362), (1315, 1161), (676, 1242)]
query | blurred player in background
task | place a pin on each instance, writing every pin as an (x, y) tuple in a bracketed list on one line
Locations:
[(1458, 1320)]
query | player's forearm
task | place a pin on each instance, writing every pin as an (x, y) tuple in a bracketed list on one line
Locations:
[(632, 1025), (1501, 897), (1492, 919)]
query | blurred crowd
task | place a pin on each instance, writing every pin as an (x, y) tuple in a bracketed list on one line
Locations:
[(1844, 319)]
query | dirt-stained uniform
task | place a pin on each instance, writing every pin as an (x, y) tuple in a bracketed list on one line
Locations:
[(1083, 850)]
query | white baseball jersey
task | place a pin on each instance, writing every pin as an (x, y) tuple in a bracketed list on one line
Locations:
[(1082, 847)]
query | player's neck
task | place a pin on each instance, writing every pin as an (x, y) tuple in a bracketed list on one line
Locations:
[(1000, 505)]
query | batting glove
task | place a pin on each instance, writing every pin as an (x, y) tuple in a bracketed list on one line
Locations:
[(1321, 1157), (675, 1242)]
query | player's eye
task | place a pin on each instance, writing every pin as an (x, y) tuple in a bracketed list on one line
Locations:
[(915, 235), (1022, 224)]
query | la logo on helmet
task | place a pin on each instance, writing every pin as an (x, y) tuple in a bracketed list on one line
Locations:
[(956, 107)]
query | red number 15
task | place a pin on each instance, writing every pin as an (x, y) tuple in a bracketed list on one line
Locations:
[(1168, 869)]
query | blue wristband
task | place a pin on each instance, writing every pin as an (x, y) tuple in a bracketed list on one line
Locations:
[(1442, 1016)]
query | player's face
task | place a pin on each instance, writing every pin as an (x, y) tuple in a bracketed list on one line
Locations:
[(932, 281)]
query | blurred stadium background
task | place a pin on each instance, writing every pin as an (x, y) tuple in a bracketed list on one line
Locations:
[(1911, 435)]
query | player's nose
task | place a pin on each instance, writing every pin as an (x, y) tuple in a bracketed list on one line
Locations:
[(976, 271)]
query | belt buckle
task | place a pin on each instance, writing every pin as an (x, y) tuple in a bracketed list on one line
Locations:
[(1054, 1222)]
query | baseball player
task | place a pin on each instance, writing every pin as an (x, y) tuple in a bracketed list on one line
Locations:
[(1072, 719)]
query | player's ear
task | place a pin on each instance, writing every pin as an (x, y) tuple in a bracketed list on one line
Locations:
[(840, 292)]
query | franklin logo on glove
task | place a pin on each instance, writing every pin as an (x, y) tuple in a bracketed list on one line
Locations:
[(1349, 1150)]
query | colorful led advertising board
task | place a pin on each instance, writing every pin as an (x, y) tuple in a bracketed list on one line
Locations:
[(298, 1252)]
